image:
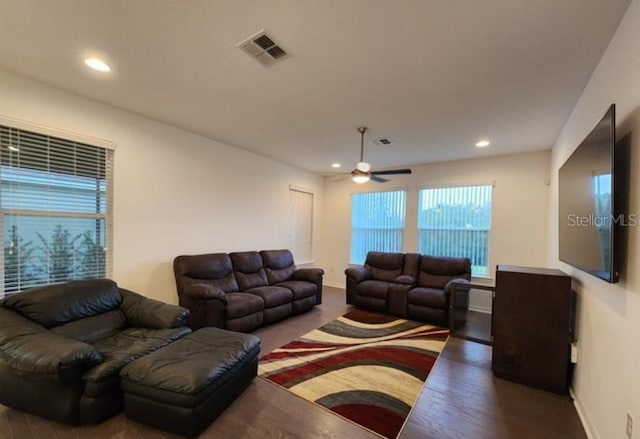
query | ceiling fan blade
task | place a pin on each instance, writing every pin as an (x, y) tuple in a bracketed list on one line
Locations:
[(378, 179), (392, 172)]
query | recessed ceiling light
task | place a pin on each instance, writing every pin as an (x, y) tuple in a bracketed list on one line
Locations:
[(482, 143), (336, 165), (97, 64)]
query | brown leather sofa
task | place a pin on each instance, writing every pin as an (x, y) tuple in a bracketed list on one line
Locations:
[(62, 346), (244, 290), (412, 286)]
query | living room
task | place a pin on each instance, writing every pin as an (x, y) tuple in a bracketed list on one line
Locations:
[(177, 191)]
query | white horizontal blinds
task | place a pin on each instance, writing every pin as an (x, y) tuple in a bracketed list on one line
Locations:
[(55, 209), (456, 222), (300, 227), (377, 223)]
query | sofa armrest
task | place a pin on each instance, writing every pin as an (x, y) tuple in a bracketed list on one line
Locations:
[(205, 292), (307, 274), (405, 279), (459, 284), (31, 349), (358, 274), (143, 312)]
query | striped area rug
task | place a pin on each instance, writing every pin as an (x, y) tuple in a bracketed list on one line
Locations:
[(366, 367)]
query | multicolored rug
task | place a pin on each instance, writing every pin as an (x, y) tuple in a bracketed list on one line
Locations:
[(366, 367)]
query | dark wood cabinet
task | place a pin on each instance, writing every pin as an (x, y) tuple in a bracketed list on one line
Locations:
[(532, 326)]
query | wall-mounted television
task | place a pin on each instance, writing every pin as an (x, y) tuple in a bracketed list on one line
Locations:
[(593, 189)]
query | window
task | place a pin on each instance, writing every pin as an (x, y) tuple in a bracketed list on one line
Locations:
[(456, 222), (377, 223), (55, 209), (301, 225), (602, 210)]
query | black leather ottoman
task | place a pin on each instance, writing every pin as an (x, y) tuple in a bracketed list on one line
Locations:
[(183, 387)]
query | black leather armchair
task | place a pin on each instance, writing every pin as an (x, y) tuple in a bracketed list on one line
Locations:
[(62, 346)]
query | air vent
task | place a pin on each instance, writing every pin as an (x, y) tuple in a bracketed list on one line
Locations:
[(380, 142), (262, 47)]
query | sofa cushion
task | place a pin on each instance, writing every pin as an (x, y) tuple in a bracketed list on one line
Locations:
[(54, 305), (436, 272), (243, 304), (299, 288), (278, 264), (248, 269), (272, 295), (94, 328), (430, 297), (213, 269), (128, 345), (373, 288), (384, 266), (28, 348)]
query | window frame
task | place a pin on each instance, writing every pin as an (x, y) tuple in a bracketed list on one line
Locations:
[(405, 191), (108, 215), (492, 185)]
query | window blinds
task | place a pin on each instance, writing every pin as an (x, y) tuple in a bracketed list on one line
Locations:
[(377, 223), (55, 209), (456, 222)]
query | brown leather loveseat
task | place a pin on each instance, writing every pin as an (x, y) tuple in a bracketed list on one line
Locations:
[(410, 285), (245, 290)]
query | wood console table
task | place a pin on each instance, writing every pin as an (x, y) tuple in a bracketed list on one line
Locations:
[(531, 325), (452, 309)]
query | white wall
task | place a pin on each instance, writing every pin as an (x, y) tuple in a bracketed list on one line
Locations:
[(175, 192), (606, 383), (520, 209)]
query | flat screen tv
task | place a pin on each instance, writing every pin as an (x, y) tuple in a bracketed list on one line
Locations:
[(593, 189)]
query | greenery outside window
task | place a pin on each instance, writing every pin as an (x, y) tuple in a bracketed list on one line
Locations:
[(377, 223), (55, 209), (456, 222)]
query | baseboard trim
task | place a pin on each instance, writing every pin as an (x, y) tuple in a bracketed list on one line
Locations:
[(584, 417), (482, 309), (334, 285)]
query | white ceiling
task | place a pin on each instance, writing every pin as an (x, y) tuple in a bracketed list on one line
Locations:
[(434, 76)]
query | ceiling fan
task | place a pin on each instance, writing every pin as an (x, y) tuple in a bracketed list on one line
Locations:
[(363, 173)]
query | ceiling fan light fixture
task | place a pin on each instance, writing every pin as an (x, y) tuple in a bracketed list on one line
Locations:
[(362, 173), (360, 177)]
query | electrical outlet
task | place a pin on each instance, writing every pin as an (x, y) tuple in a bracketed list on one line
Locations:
[(629, 425), (574, 353)]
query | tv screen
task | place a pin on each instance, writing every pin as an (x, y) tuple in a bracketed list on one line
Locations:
[(590, 204)]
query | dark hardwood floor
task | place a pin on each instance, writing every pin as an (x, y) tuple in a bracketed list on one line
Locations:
[(462, 399)]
